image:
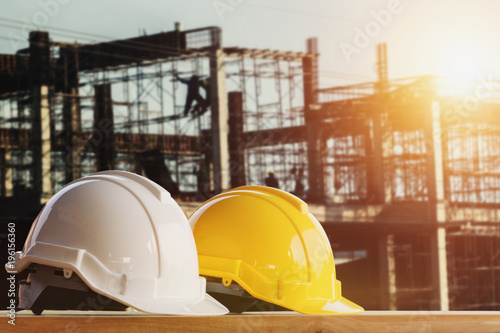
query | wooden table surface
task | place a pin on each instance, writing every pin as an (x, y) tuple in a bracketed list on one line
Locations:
[(369, 321)]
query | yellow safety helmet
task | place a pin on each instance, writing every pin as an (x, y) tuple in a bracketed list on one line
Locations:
[(268, 242)]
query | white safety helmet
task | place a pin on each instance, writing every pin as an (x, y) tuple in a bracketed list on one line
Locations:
[(125, 238)]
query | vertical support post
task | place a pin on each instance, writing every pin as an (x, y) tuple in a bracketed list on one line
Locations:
[(40, 105), (434, 150), (236, 152), (219, 112), (382, 67), (379, 136), (71, 112), (103, 137), (315, 143), (5, 173), (3, 168), (387, 272), (312, 48), (371, 180), (436, 201), (439, 270), (381, 146)]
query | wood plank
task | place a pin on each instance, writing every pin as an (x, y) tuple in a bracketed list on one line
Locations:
[(369, 321)]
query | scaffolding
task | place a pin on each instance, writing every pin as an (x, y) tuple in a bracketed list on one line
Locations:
[(271, 84), (474, 274), (15, 123), (148, 103), (469, 142), (145, 98)]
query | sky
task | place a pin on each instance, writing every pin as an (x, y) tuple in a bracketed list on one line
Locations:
[(439, 37)]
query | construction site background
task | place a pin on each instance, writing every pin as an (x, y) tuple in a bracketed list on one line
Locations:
[(404, 175)]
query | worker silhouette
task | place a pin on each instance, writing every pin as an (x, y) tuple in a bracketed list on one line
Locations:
[(299, 185), (205, 85), (193, 94), (271, 180), (337, 182)]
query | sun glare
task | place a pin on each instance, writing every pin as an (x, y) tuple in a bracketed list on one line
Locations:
[(461, 64), (462, 48), (457, 58)]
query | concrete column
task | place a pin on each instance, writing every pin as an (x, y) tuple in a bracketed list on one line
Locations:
[(439, 270), (71, 112), (387, 273), (436, 203), (315, 141), (42, 148), (236, 152), (434, 150), (3, 168), (379, 145), (313, 48), (40, 105), (219, 113), (103, 138), (46, 144), (6, 173)]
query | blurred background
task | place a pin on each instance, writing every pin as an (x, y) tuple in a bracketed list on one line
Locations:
[(382, 115)]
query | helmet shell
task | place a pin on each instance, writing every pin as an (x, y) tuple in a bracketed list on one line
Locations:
[(126, 238), (268, 242)]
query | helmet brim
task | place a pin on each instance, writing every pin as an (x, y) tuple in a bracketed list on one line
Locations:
[(207, 306), (340, 306)]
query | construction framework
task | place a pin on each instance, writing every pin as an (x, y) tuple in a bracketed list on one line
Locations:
[(137, 84), (425, 144)]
